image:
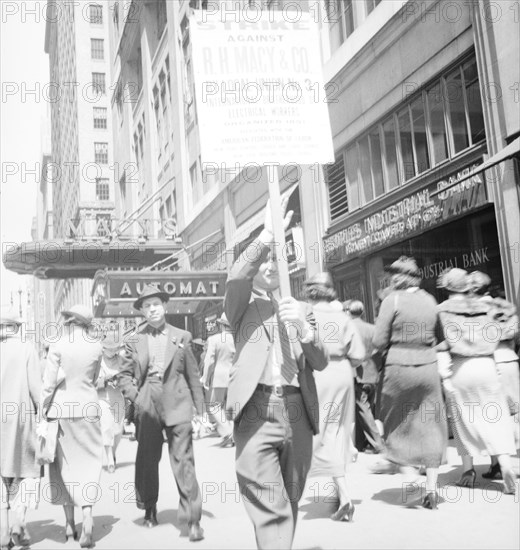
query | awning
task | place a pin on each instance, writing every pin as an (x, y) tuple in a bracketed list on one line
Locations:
[(64, 259)]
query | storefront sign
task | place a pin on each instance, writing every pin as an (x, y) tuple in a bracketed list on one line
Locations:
[(121, 289), (414, 214), (259, 88), (468, 260), (178, 287)]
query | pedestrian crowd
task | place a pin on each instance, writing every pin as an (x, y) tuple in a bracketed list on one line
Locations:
[(298, 388)]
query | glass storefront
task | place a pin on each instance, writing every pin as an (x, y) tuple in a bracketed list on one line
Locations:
[(470, 243)]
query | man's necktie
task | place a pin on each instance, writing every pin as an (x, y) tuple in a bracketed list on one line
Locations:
[(282, 346)]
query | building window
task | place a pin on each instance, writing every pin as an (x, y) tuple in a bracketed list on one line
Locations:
[(100, 117), (98, 82), (101, 152), (96, 48), (102, 189), (96, 14), (340, 17), (371, 4), (436, 124)]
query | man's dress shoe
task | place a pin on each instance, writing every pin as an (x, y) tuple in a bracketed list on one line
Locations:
[(195, 532), (150, 517)]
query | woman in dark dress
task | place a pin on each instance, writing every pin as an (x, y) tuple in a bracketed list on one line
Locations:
[(411, 408)]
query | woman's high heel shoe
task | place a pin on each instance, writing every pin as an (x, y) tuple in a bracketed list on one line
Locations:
[(431, 501), (509, 483), (494, 472), (467, 479), (20, 535), (70, 532), (86, 535), (344, 512)]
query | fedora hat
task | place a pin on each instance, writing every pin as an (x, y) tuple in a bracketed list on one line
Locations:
[(151, 291), (81, 313), (479, 280), (404, 265), (9, 317), (454, 280), (223, 320), (324, 279)]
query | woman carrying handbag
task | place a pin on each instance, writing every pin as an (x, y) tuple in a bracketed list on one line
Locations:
[(74, 405)]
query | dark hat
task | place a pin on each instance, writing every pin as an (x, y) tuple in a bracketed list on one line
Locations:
[(81, 313), (323, 278), (150, 291), (223, 320), (479, 280), (454, 280), (404, 265)]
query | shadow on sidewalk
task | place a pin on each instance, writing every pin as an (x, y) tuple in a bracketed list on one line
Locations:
[(321, 507), (170, 516), (49, 530)]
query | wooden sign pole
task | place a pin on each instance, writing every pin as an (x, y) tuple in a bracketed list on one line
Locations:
[(278, 230)]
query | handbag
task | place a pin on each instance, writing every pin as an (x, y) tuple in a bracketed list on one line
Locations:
[(47, 434), (46, 441)]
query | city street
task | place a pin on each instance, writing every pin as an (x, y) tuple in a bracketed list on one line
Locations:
[(385, 513)]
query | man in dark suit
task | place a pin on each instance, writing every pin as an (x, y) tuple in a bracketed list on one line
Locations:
[(159, 357), (368, 437), (271, 394)]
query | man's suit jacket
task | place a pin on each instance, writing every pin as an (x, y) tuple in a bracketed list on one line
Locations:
[(218, 360), (181, 385), (252, 319)]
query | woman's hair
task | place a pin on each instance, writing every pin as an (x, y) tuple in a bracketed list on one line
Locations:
[(402, 281), (320, 293)]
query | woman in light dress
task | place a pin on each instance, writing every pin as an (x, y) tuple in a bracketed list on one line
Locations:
[(111, 400), (332, 449), (470, 376)]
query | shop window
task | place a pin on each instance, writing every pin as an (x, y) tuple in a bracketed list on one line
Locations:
[(405, 134), (392, 172), (455, 100), (335, 178), (437, 124)]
